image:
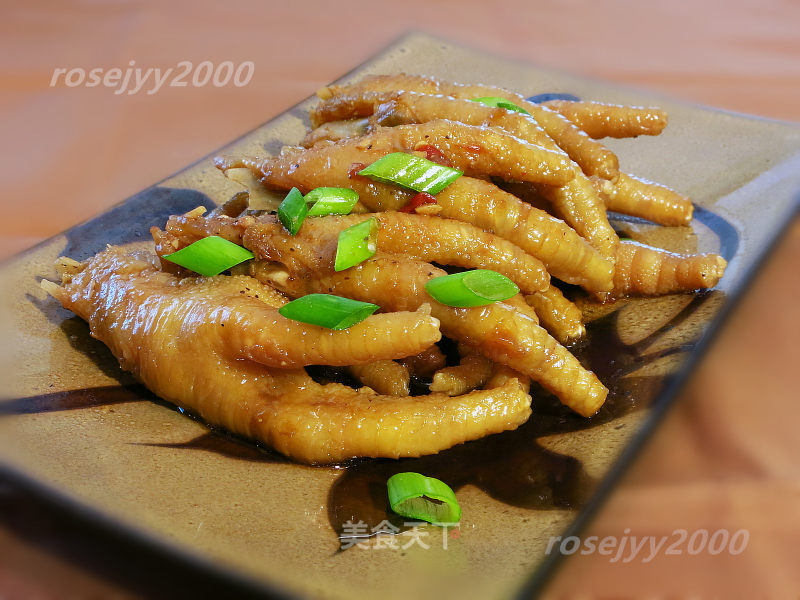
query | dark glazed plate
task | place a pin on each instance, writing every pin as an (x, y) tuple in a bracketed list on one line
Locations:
[(79, 429)]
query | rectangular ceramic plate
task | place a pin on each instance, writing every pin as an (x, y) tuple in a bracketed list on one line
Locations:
[(79, 428)]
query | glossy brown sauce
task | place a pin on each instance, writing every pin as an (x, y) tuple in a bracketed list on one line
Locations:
[(510, 467)]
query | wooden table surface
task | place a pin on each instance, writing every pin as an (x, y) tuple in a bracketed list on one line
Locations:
[(726, 456)]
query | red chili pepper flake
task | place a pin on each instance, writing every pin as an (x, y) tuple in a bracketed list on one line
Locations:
[(352, 173), (433, 154), (420, 199)]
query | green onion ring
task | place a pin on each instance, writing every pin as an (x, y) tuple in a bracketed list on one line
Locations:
[(419, 497)]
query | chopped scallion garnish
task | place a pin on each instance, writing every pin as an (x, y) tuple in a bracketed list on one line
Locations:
[(496, 102), (471, 288), (356, 244), (293, 211), (325, 310), (330, 201), (210, 256), (317, 203), (413, 172), (419, 497)]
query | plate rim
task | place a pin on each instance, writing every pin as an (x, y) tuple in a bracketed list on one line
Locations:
[(663, 403)]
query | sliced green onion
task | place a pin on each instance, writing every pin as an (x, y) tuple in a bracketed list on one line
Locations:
[(413, 172), (418, 497), (471, 288), (330, 201), (496, 102), (356, 244), (325, 310), (210, 256), (293, 211)]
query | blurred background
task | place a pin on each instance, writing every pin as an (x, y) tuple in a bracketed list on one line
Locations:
[(727, 454)]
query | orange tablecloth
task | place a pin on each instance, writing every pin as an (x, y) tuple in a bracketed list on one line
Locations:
[(727, 456)]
